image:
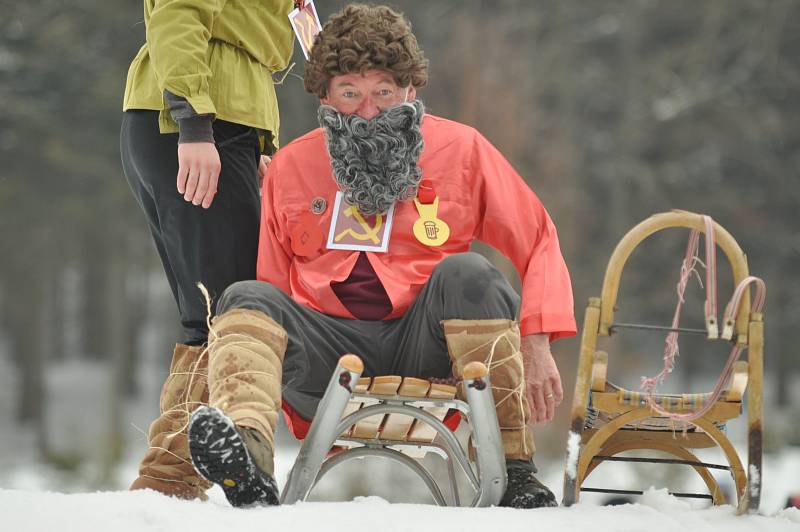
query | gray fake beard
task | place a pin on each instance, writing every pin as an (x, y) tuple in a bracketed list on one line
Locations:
[(375, 161)]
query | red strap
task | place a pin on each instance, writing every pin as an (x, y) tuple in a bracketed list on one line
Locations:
[(426, 193), (297, 425), (452, 419)]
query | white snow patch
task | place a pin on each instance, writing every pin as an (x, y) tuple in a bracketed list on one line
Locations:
[(791, 514), (573, 451), (660, 499), (755, 480)]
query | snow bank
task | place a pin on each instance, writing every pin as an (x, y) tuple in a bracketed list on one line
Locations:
[(143, 511)]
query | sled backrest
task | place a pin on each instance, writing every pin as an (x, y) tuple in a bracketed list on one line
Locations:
[(652, 225)]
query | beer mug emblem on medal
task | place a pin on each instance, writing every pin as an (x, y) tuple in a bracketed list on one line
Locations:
[(429, 229)]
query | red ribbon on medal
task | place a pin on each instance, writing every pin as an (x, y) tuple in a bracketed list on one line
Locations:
[(426, 194), (307, 237)]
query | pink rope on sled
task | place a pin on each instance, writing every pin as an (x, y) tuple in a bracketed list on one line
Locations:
[(648, 384)]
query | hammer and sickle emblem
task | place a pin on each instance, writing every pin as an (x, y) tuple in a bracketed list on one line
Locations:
[(370, 233)]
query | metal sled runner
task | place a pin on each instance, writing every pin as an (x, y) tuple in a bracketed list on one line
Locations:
[(607, 420), (400, 419)]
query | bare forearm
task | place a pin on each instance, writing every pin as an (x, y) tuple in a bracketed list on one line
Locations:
[(535, 345), (542, 380)]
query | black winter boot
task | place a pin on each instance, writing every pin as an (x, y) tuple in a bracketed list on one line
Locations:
[(523, 490), (233, 457)]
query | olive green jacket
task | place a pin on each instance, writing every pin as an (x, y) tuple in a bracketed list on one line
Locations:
[(218, 54)]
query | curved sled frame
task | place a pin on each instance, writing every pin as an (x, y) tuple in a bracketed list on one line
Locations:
[(312, 462), (598, 321), (654, 224), (386, 452)]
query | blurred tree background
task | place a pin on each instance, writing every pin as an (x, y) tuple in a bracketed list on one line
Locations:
[(613, 110)]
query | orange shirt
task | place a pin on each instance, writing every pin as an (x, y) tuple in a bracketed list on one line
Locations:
[(480, 197)]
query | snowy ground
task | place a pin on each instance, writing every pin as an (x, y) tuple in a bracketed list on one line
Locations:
[(34, 505), (143, 511)]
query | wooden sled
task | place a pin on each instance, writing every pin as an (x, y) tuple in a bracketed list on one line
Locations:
[(607, 420), (403, 419)]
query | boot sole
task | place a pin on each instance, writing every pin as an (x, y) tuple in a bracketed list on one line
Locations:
[(219, 455)]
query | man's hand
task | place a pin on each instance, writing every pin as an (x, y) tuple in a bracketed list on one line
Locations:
[(542, 380), (263, 166), (198, 172)]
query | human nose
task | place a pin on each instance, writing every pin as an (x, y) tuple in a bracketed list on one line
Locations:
[(367, 109)]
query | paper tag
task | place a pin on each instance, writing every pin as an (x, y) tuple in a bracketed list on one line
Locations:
[(305, 22), (354, 231)]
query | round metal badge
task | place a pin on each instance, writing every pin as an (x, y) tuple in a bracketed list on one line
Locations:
[(318, 205)]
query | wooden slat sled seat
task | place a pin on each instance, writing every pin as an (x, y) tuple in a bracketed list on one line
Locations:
[(395, 427), (608, 401), (402, 419)]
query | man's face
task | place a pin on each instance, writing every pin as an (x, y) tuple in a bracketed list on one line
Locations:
[(366, 94)]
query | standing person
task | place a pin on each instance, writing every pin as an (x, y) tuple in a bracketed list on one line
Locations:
[(199, 111), (365, 235)]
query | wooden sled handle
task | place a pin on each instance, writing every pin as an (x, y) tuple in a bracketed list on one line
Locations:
[(648, 227), (352, 363)]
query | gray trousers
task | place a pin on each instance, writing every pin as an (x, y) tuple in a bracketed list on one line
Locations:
[(462, 286)]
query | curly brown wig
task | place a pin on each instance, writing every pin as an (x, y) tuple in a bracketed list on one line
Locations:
[(360, 38)]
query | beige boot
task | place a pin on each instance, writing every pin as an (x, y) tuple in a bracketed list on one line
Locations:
[(232, 440), (496, 343), (166, 466)]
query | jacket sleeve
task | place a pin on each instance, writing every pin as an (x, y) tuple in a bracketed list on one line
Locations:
[(178, 34), (192, 127), (514, 221), (274, 246)]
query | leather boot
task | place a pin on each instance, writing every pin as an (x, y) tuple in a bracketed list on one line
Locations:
[(523, 489), (166, 466), (496, 343), (231, 441)]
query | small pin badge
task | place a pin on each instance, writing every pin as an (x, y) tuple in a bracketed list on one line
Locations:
[(318, 205)]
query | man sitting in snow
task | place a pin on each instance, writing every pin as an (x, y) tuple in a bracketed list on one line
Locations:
[(365, 235)]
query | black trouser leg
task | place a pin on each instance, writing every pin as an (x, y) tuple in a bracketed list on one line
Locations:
[(216, 246)]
